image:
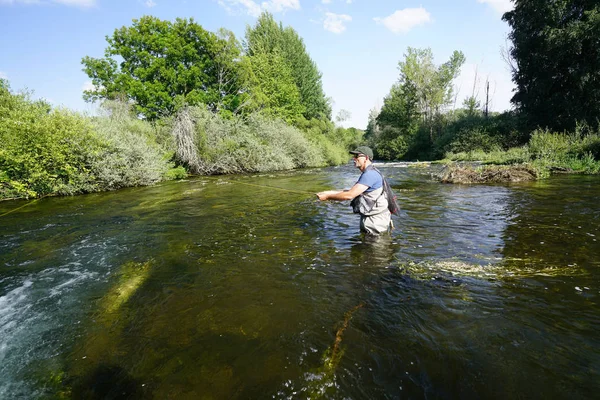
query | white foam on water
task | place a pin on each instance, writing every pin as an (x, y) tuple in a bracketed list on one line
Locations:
[(37, 309)]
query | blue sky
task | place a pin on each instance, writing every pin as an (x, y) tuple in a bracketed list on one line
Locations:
[(356, 44)]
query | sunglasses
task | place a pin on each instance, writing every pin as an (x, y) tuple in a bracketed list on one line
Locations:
[(359, 155)]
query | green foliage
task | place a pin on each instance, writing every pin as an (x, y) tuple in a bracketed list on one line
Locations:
[(398, 119), (266, 37), (412, 114), (546, 152), (163, 66), (432, 85), (557, 53), (549, 146), (43, 151), (372, 128), (251, 144), (131, 155), (272, 87), (466, 130), (516, 155)]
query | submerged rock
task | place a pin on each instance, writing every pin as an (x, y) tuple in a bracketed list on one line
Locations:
[(487, 174)]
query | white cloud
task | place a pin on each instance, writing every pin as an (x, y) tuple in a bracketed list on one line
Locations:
[(326, 1), (150, 3), (20, 1), (3, 75), (75, 3), (88, 85), (403, 21), (255, 9), (335, 22), (500, 6)]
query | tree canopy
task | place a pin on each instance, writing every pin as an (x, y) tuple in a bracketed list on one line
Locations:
[(162, 65), (557, 52), (268, 37), (420, 95)]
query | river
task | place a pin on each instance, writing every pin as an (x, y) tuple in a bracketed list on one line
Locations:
[(239, 287)]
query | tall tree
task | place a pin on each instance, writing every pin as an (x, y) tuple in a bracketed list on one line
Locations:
[(372, 128), (160, 66), (271, 86), (557, 52), (266, 36), (398, 119), (432, 84), (306, 75)]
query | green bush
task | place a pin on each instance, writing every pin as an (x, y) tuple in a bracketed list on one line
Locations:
[(208, 144), (549, 146), (131, 155), (43, 151)]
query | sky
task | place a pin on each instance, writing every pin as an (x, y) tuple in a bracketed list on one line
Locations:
[(356, 44)]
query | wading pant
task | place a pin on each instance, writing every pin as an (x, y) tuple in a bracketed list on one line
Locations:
[(376, 224)]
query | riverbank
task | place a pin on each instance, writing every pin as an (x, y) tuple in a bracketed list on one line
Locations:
[(546, 153), (47, 151)]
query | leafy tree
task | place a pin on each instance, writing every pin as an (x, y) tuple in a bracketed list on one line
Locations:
[(343, 115), (306, 76), (271, 85), (557, 52), (471, 104), (432, 84), (230, 86), (399, 119), (372, 128), (266, 36), (162, 66)]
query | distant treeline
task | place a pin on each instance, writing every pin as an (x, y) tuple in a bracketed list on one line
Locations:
[(176, 99), (555, 63)]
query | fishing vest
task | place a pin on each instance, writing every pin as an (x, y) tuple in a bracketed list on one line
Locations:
[(371, 203)]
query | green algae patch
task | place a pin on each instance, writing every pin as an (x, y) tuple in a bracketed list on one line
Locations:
[(322, 381), (94, 371), (132, 276), (506, 269)]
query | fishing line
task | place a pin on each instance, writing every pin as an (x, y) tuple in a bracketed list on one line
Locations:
[(24, 205), (274, 187)]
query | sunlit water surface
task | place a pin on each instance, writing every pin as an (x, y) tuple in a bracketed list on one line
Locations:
[(224, 288)]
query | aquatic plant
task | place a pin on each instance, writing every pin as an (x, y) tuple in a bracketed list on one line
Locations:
[(323, 378), (93, 357)]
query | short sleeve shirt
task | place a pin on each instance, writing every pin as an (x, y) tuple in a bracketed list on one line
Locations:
[(372, 179)]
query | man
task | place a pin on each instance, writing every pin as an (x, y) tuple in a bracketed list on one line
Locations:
[(367, 194)]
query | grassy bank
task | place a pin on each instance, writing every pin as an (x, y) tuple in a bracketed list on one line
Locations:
[(545, 153), (46, 151)]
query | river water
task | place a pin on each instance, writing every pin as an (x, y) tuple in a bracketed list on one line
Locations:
[(238, 287)]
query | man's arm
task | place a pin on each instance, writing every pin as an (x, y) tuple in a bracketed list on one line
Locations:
[(342, 195)]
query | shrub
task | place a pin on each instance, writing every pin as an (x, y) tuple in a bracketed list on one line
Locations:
[(43, 151), (549, 146), (131, 155), (208, 144)]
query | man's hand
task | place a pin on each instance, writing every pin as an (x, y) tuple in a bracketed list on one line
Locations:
[(325, 195)]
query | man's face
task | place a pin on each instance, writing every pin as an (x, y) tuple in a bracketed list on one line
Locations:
[(359, 160)]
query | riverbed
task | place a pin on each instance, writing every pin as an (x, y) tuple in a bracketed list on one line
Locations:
[(238, 287)]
